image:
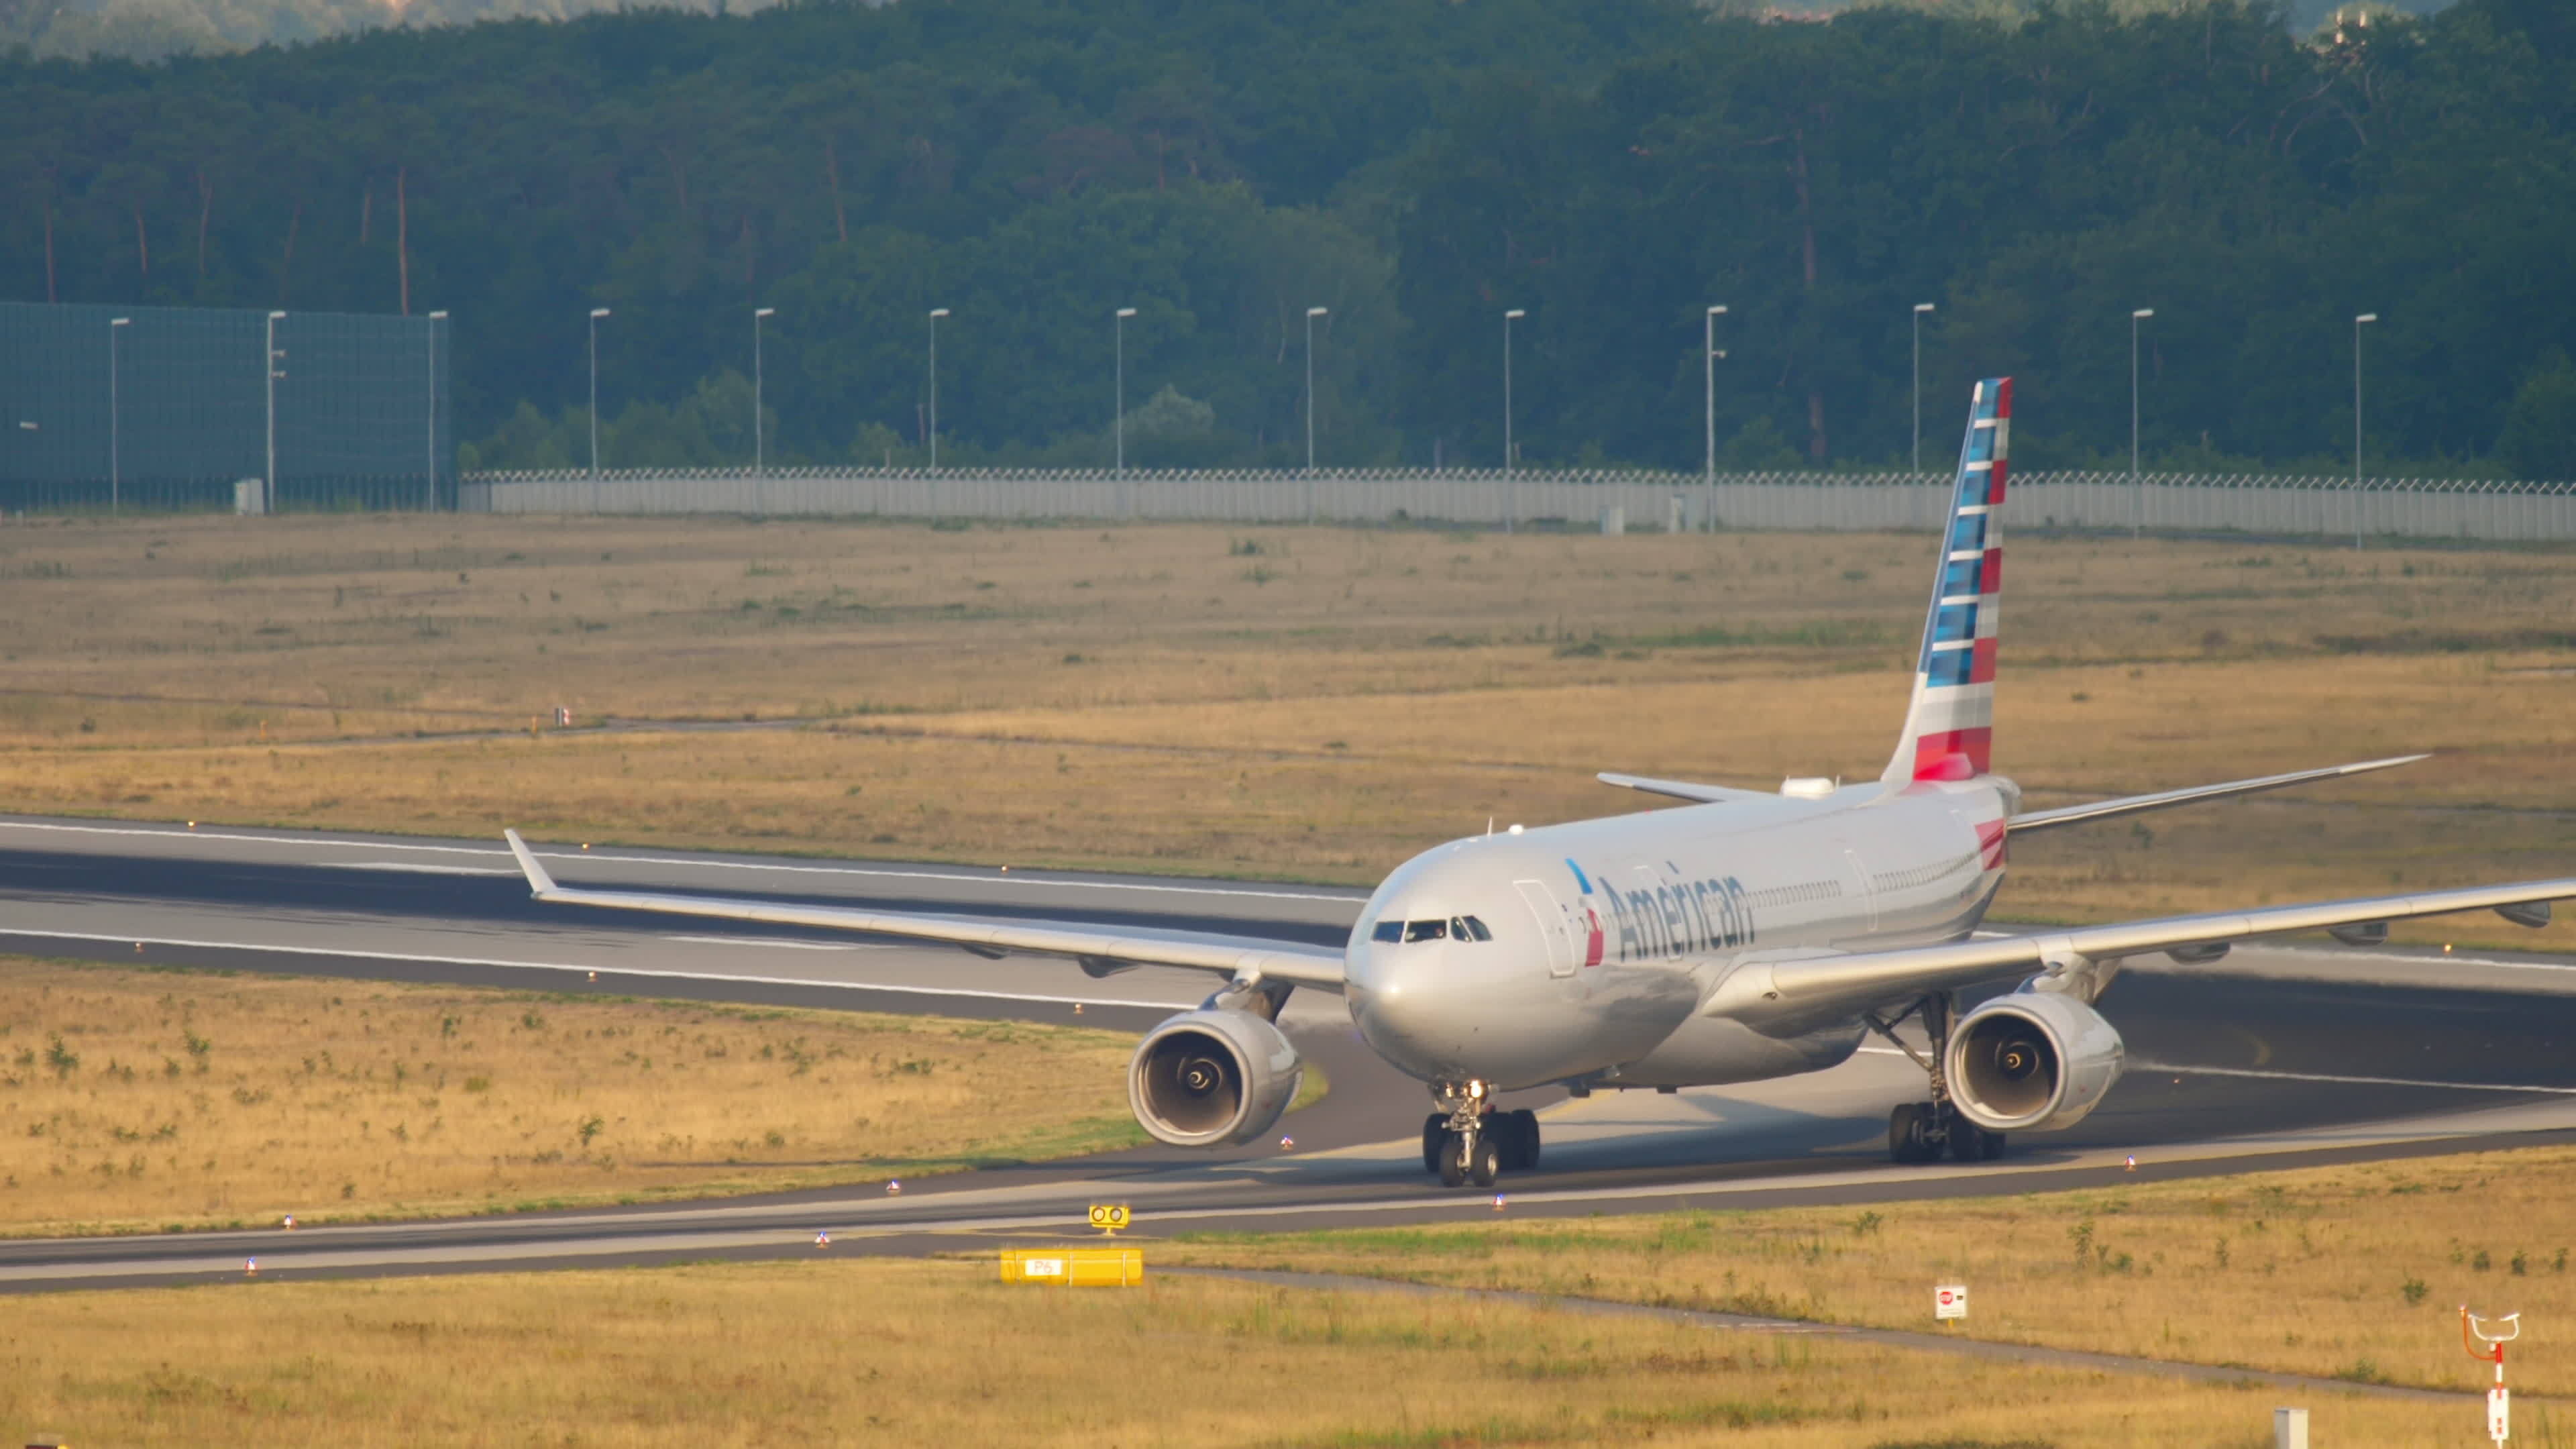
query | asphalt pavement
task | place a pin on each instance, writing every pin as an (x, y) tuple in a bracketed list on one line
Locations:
[(2288, 1054)]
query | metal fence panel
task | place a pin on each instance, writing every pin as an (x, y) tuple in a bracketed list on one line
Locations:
[(2201, 503), (170, 409)]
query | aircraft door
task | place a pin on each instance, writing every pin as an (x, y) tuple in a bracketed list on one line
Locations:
[(1553, 927), (1865, 897)]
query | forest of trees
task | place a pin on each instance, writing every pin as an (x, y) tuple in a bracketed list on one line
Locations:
[(1418, 167)]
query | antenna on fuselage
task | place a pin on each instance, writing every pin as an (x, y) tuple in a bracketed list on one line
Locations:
[(1489, 825)]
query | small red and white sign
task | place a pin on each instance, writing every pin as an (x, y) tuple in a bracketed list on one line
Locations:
[(1950, 1300)]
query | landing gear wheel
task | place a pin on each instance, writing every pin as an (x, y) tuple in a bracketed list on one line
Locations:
[(1909, 1133), (1992, 1144), (1520, 1140), (1487, 1162), (1453, 1159), (1435, 1131), (1968, 1141)]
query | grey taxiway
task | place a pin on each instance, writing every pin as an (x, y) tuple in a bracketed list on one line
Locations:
[(2283, 1054)]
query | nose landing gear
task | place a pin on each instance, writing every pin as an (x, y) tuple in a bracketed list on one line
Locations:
[(1469, 1141), (1922, 1131)]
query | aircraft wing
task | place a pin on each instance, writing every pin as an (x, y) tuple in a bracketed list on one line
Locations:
[(1100, 953), (1824, 985), (2166, 799), (1682, 789)]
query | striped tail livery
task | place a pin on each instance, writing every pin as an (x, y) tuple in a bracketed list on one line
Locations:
[(1950, 727)]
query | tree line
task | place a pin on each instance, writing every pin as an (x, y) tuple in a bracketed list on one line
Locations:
[(1417, 169)]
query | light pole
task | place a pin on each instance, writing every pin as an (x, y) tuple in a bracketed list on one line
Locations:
[(595, 314), (1311, 314), (1708, 366), (935, 314), (268, 483), (759, 418), (1919, 309), (1511, 503), (2137, 490), (2357, 323), (1118, 344), (430, 504), (114, 485)]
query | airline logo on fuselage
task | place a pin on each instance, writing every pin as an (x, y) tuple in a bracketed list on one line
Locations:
[(1672, 918)]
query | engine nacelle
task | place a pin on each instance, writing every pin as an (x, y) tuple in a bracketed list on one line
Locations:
[(1212, 1078), (2033, 1061)]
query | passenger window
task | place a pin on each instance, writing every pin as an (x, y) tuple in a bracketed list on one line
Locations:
[(1425, 930), (1388, 931)]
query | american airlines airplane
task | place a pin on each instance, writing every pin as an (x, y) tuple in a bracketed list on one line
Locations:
[(1742, 936)]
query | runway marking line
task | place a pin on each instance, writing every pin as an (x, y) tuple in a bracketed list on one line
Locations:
[(2344, 1081), (784, 945), (348, 954), (409, 868), (1037, 877)]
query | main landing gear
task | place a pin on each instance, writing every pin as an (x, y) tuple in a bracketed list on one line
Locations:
[(1922, 1131), (1472, 1142)]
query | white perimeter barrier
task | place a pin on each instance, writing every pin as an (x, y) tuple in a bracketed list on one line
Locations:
[(2418, 508)]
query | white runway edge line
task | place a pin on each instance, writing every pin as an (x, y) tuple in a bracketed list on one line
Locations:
[(2343, 1081), (349, 955), (409, 867), (680, 860), (783, 944)]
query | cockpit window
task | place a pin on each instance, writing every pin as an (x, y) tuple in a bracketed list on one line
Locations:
[(1456, 928)]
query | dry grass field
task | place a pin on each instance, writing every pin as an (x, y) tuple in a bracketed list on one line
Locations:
[(2355, 1272), (144, 1099), (1273, 701), (837, 1352)]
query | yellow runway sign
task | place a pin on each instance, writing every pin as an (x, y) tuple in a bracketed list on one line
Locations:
[(1074, 1267)]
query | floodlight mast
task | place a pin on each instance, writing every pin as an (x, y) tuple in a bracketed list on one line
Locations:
[(759, 427), (2357, 324), (429, 502), (269, 360), (113, 462), (1709, 358), (2137, 494), (935, 314)]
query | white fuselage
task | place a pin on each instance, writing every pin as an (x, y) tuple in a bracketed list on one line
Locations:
[(1582, 952)]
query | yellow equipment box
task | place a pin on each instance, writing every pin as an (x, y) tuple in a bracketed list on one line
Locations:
[(1074, 1267)]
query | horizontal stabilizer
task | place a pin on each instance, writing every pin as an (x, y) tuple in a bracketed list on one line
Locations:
[(1682, 789), (2167, 799)]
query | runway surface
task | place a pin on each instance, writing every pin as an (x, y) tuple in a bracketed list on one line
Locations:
[(2281, 1055)]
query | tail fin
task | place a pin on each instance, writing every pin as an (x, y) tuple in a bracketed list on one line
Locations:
[(1949, 728)]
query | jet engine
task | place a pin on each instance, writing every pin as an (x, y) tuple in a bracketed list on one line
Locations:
[(1212, 1078), (2033, 1061)]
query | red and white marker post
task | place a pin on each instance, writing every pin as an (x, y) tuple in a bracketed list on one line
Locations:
[(2495, 1333)]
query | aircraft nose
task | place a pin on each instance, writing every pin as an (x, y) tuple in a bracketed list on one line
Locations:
[(1401, 1009)]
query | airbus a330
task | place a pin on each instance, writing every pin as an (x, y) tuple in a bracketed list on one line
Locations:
[(1744, 935)]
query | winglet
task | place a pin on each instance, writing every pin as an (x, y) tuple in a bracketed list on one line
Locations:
[(540, 884)]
